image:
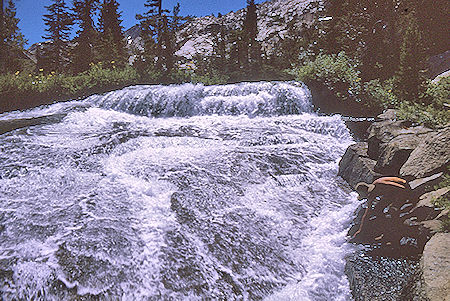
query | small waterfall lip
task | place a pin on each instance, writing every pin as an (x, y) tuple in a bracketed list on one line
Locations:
[(186, 100)]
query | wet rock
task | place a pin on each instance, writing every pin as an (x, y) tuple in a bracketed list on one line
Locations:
[(435, 264), (431, 156), (355, 166)]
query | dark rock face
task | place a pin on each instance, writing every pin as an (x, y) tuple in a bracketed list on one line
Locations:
[(356, 166), (432, 155)]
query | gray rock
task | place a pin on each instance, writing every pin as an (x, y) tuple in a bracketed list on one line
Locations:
[(431, 156), (383, 132), (355, 166), (421, 183), (389, 114), (393, 154), (435, 265)]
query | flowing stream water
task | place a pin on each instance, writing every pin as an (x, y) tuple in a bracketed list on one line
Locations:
[(183, 192)]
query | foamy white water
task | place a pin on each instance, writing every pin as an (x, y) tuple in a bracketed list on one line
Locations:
[(186, 192)]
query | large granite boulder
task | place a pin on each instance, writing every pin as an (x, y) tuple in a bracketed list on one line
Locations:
[(381, 133), (431, 156), (356, 166), (394, 153), (435, 264)]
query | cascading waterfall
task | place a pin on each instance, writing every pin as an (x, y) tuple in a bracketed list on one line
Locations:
[(187, 192)]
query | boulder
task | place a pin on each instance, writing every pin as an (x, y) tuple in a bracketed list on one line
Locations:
[(393, 154), (431, 156), (381, 133), (355, 166), (389, 114), (435, 265), (425, 209)]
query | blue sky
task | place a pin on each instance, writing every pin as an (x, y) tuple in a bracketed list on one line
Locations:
[(32, 26)]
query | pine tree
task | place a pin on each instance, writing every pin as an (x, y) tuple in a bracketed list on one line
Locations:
[(219, 59), (84, 52), (112, 50), (252, 49), (158, 33), (150, 26), (13, 41), (58, 22), (412, 60)]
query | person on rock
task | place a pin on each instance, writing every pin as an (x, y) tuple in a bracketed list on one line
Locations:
[(389, 194)]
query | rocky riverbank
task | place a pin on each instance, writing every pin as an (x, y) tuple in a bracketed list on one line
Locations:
[(409, 230)]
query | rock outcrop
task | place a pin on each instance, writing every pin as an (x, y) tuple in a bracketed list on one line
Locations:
[(197, 36), (356, 166), (435, 265), (422, 156), (432, 155)]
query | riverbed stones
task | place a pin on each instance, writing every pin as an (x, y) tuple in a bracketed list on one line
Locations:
[(435, 264), (430, 156)]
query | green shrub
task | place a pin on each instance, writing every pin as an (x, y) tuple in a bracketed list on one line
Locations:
[(381, 93), (21, 90), (337, 72), (432, 107)]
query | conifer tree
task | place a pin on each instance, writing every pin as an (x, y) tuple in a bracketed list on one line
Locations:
[(412, 60), (58, 22), (219, 60), (149, 23), (112, 50), (252, 49), (158, 33), (84, 51), (13, 41)]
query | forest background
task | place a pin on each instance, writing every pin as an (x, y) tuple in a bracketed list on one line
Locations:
[(370, 55)]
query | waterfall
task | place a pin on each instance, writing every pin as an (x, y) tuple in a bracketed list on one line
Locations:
[(187, 192)]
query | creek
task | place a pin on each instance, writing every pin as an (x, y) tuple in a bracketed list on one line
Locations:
[(176, 192)]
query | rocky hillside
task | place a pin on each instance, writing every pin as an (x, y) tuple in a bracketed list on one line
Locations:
[(196, 37)]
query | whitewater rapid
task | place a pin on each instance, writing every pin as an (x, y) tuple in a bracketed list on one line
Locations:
[(182, 192)]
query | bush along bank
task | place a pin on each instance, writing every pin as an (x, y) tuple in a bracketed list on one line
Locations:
[(400, 225), (336, 84)]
